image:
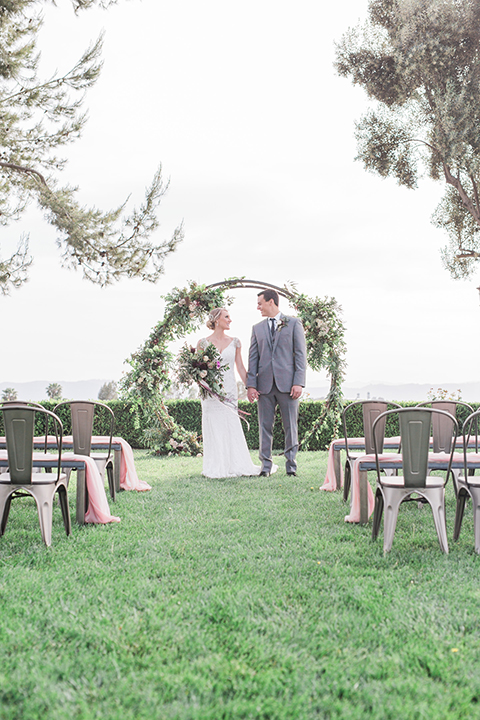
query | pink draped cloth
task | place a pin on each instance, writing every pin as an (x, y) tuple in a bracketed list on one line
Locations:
[(354, 516), (129, 479), (98, 510), (330, 484)]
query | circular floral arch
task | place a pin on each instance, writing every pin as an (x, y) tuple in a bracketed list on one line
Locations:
[(185, 310)]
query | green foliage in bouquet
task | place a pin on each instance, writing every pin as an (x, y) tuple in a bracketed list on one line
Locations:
[(202, 366)]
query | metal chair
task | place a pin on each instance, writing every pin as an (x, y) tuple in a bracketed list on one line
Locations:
[(21, 480), (371, 409), (415, 426), (468, 485), (82, 413)]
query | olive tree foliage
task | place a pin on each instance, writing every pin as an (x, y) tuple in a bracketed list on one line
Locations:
[(39, 116), (420, 61)]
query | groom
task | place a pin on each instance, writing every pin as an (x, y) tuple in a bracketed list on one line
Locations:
[(276, 376)]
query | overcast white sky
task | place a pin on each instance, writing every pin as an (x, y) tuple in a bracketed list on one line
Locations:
[(241, 105)]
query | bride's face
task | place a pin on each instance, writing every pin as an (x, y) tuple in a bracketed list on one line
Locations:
[(224, 321)]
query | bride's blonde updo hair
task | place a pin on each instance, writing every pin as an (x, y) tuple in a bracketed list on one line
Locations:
[(213, 317)]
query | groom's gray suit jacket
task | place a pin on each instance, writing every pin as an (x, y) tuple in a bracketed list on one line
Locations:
[(282, 359)]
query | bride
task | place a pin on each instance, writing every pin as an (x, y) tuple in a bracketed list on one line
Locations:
[(225, 451)]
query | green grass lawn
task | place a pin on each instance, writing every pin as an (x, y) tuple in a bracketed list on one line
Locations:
[(245, 598)]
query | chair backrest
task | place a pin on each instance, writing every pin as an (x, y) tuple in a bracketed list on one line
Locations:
[(441, 426), (371, 410), (30, 403), (82, 413), (472, 420), (415, 428), (19, 423)]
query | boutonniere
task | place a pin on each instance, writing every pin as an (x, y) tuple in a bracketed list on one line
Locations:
[(283, 322)]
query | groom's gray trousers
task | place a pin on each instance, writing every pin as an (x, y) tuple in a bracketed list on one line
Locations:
[(266, 415)]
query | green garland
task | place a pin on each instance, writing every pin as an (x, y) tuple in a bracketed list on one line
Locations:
[(185, 311)]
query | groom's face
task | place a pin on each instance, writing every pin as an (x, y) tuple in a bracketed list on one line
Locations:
[(266, 307)]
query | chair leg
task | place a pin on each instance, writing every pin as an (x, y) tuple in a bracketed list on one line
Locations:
[(377, 514), (44, 502), (347, 480), (111, 480), (392, 502), (455, 474), (459, 510), (63, 500), (475, 494), (436, 499), (6, 511)]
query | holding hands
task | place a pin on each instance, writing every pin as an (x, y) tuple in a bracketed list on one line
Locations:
[(295, 392)]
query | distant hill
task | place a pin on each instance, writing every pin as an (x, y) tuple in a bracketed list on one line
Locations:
[(37, 390), (469, 391), (88, 390)]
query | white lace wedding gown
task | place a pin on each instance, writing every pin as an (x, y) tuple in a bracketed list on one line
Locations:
[(225, 451)]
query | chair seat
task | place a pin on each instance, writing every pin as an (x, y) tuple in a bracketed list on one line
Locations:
[(101, 458), (397, 481), (37, 479), (470, 480)]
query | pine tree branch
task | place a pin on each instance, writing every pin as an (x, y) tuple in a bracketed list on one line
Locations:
[(21, 169)]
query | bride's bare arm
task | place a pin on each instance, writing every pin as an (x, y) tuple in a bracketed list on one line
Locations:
[(240, 366)]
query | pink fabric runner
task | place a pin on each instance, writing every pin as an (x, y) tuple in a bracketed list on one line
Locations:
[(330, 483), (129, 479), (98, 510), (354, 516)]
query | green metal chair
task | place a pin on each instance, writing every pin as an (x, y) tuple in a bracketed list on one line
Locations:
[(468, 484), (371, 409), (82, 414), (21, 480), (415, 430)]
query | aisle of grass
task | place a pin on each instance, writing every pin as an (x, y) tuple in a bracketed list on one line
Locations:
[(246, 598)]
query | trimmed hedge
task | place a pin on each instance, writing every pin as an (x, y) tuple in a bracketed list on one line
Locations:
[(188, 413)]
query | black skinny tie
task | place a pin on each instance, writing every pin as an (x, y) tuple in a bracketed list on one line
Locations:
[(272, 327)]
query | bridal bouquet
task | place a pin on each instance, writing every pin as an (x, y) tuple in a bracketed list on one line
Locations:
[(202, 366)]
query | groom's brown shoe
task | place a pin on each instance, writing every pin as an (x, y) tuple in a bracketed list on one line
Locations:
[(294, 474), (264, 473)]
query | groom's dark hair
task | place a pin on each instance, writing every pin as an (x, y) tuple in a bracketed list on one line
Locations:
[(269, 294)]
